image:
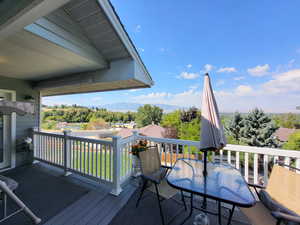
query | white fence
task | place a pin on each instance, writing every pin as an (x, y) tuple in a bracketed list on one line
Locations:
[(111, 161)]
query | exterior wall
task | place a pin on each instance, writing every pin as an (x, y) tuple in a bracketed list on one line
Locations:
[(23, 123)]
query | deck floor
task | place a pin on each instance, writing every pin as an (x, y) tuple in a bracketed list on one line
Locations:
[(75, 200), (60, 200)]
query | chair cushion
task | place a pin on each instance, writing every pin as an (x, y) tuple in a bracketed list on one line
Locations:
[(12, 184), (259, 215), (283, 190)]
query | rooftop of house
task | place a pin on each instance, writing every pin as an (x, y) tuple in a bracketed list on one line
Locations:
[(151, 130), (282, 134)]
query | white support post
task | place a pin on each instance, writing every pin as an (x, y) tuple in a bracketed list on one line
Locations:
[(135, 135), (116, 166), (35, 144), (67, 152)]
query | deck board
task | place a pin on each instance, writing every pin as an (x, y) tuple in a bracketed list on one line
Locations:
[(95, 208)]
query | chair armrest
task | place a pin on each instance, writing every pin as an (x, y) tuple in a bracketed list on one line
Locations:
[(257, 186), (167, 167), (287, 217)]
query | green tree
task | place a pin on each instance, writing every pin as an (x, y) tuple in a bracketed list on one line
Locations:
[(293, 142), (258, 130), (172, 119), (148, 114), (233, 128)]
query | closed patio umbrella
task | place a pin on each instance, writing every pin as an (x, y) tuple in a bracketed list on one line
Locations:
[(21, 108), (212, 133)]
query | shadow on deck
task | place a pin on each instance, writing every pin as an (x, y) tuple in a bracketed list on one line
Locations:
[(75, 200)]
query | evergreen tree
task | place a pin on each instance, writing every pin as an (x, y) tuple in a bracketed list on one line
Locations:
[(258, 130), (233, 129)]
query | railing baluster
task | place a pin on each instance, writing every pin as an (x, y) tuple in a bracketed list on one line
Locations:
[(287, 161), (101, 158), (266, 169), (97, 155), (246, 166), (237, 160), (255, 168), (110, 163), (105, 163), (298, 165), (221, 156), (229, 157)]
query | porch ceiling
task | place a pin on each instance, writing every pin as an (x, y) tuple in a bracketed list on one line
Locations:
[(79, 37)]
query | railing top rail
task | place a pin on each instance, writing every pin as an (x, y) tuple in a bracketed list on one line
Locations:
[(170, 141), (263, 150), (83, 139), (48, 134), (230, 147), (90, 140)]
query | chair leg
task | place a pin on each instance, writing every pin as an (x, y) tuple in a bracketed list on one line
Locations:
[(142, 192), (160, 209), (183, 200)]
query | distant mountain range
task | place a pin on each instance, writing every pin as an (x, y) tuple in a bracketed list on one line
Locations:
[(124, 107)]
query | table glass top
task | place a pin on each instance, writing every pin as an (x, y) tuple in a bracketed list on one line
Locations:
[(222, 181)]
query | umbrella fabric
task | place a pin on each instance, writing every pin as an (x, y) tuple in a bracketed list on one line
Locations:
[(21, 108), (212, 133)]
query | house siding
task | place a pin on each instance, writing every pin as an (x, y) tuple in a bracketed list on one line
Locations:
[(23, 123)]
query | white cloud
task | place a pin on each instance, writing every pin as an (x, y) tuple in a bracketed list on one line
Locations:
[(244, 90), (239, 78), (188, 76), (189, 66), (207, 68), (226, 70), (183, 99), (162, 49), (141, 49), (285, 82), (194, 87), (220, 82), (138, 28), (259, 70)]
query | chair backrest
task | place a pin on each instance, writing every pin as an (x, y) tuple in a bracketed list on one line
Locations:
[(150, 160), (284, 187)]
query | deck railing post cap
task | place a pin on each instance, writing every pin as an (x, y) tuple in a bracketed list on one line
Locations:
[(135, 132)]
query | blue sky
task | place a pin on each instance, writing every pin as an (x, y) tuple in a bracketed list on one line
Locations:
[(250, 48)]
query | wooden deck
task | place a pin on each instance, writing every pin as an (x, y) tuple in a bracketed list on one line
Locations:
[(75, 200), (93, 209), (60, 200)]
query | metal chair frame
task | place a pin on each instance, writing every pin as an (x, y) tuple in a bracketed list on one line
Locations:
[(279, 216), (146, 179)]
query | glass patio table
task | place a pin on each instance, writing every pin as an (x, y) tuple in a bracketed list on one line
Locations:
[(223, 183)]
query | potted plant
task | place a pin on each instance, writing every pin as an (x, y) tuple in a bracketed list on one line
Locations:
[(135, 150)]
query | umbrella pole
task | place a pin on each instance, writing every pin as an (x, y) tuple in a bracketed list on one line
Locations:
[(205, 163)]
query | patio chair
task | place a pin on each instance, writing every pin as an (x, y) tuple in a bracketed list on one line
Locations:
[(7, 187), (155, 173), (279, 200)]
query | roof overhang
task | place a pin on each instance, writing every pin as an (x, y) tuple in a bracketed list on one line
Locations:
[(80, 45)]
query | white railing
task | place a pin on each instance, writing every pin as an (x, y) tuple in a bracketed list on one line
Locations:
[(96, 159), (111, 161), (253, 162)]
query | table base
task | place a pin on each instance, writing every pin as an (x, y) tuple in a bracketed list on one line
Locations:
[(204, 209)]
